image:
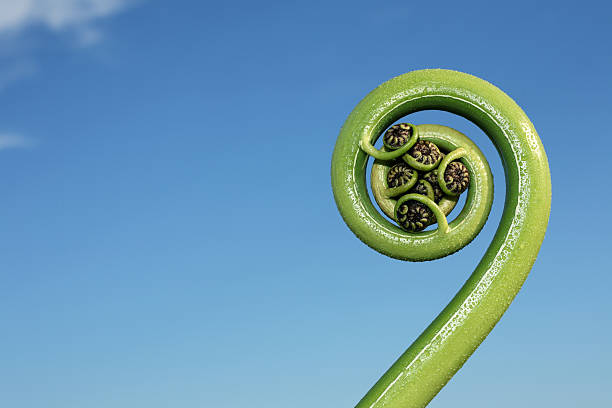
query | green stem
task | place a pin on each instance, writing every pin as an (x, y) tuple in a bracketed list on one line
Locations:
[(419, 374)]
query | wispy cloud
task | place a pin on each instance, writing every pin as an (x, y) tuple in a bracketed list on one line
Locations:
[(56, 15), (88, 36), (15, 141), (78, 18)]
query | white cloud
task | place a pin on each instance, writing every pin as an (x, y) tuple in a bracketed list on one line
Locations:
[(16, 15), (88, 36), (14, 141), (78, 18)]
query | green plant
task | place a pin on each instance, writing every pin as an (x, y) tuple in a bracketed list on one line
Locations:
[(436, 355)]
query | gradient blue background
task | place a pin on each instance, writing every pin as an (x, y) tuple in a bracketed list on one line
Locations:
[(170, 239)]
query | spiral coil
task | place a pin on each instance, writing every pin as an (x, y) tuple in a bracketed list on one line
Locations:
[(434, 357)]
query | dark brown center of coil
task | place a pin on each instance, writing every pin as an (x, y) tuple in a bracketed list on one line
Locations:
[(432, 177), (397, 135), (457, 177), (413, 216), (399, 175), (425, 152), (419, 188)]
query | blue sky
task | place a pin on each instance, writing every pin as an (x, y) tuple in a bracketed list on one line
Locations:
[(169, 232)]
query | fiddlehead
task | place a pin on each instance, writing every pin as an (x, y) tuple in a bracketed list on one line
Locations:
[(398, 135), (413, 215), (424, 155), (456, 178), (400, 178), (453, 176), (398, 140), (418, 375)]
